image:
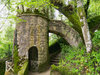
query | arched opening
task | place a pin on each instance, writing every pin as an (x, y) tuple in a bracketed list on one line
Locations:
[(65, 31), (33, 59), (55, 47)]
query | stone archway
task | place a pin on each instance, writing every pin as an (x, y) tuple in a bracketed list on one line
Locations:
[(65, 31), (33, 59), (34, 32)]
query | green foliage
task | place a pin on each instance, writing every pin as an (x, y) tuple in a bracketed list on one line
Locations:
[(6, 43), (96, 39), (16, 60), (74, 60), (63, 69), (24, 69), (94, 23), (53, 39), (5, 49), (94, 8), (36, 3), (64, 47), (2, 67), (79, 61), (9, 33), (16, 19), (21, 70)]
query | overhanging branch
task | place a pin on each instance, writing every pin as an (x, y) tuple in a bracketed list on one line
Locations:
[(69, 12)]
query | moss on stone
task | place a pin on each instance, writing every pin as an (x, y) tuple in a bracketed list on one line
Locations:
[(24, 69), (16, 60), (63, 70), (34, 14), (18, 70), (74, 18)]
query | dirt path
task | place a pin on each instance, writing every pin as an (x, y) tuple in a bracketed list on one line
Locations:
[(43, 73)]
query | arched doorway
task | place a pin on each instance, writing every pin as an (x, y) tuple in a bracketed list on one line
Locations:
[(33, 59), (55, 48)]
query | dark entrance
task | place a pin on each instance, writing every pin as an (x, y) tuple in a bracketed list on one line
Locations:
[(33, 59)]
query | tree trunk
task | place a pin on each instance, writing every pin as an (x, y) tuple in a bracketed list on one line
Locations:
[(84, 25)]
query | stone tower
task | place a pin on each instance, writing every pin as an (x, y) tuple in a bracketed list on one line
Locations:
[(32, 40)]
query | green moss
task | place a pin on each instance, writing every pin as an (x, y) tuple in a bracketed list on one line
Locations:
[(80, 10), (73, 2), (64, 70), (18, 70), (16, 60), (74, 18), (24, 69)]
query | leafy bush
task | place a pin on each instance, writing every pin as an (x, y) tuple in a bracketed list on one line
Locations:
[(96, 38), (5, 49), (94, 8), (94, 23), (6, 45), (2, 67), (79, 61), (64, 70), (6, 42), (16, 60)]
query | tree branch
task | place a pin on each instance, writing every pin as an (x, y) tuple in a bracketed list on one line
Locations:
[(69, 12)]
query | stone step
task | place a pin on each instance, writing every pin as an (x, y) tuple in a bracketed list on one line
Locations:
[(54, 63), (55, 59)]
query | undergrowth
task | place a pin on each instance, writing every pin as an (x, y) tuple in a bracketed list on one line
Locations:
[(76, 60), (16, 60), (2, 67)]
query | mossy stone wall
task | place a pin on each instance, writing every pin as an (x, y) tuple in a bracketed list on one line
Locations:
[(33, 31), (65, 31)]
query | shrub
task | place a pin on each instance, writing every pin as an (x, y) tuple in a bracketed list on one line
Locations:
[(2, 67), (96, 39), (79, 61), (64, 70), (16, 60)]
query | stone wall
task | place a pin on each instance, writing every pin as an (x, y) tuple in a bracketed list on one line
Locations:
[(33, 32), (65, 31)]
